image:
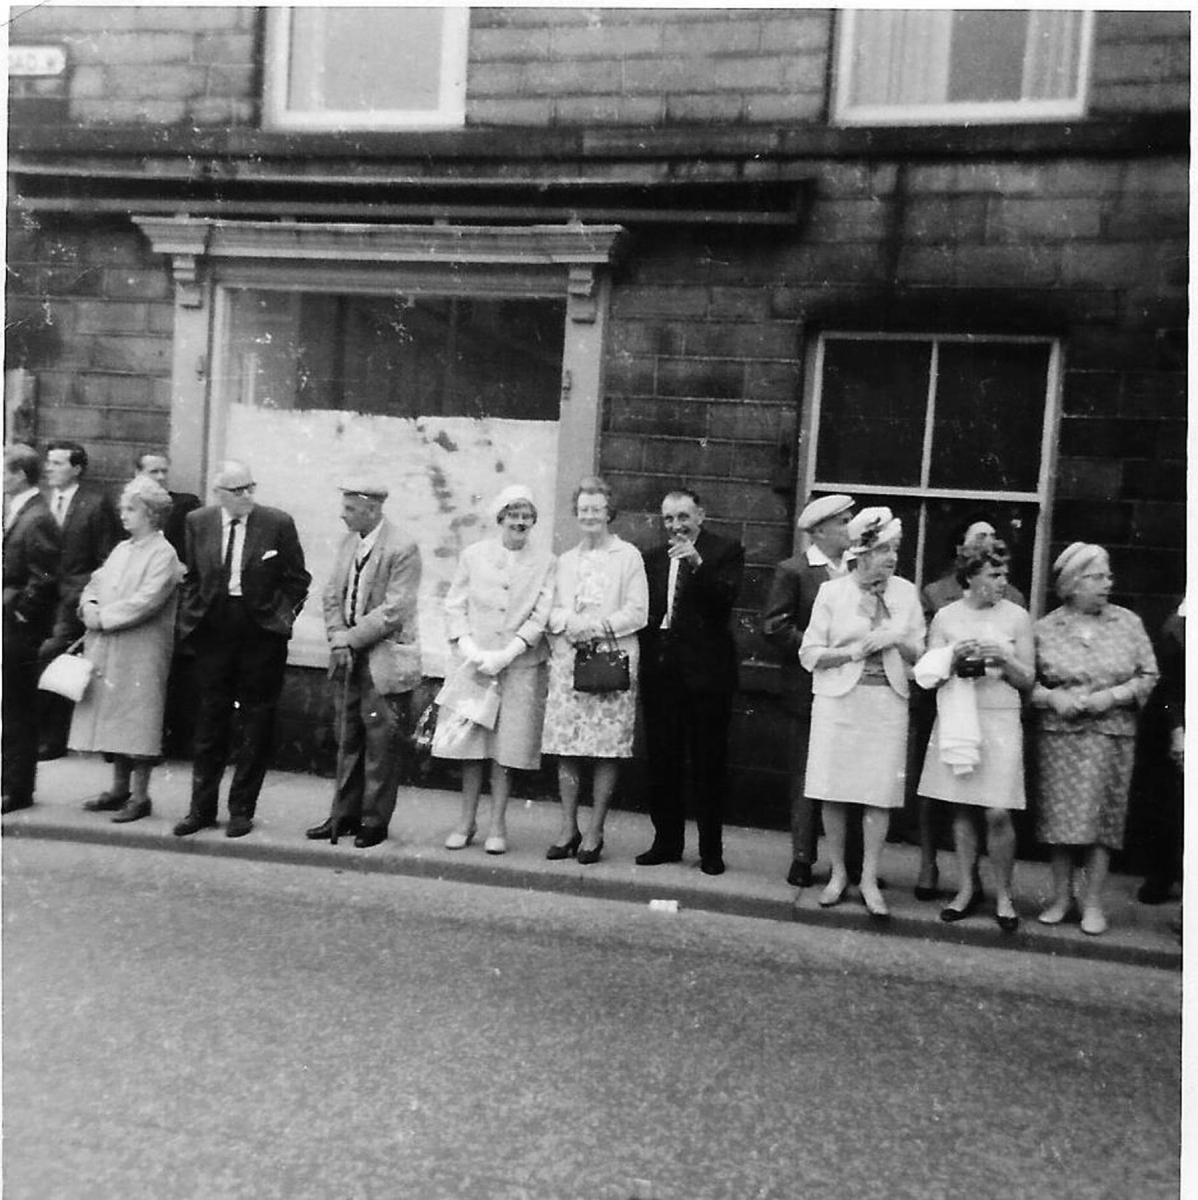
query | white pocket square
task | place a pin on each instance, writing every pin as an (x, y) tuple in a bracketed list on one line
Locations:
[(269, 554)]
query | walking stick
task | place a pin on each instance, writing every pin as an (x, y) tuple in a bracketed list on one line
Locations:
[(342, 725)]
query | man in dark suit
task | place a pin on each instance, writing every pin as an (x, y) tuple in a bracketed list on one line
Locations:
[(90, 528), (245, 585), (32, 550), (158, 468), (784, 620), (374, 657), (688, 675)]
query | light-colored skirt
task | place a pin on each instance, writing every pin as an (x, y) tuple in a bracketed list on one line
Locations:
[(587, 724), (858, 751), (997, 780), (516, 739)]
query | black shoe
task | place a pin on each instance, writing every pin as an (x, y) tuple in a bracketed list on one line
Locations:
[(655, 856), (564, 849), (586, 857), (370, 835), (133, 811), (1153, 891), (929, 891), (12, 803), (1007, 924), (799, 874), (107, 802), (324, 832), (191, 824), (712, 866), (238, 826), (949, 914)]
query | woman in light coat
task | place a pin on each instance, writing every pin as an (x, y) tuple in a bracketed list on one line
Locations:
[(496, 609), (128, 610), (866, 630)]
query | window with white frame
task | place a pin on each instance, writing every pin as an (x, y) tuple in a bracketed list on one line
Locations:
[(952, 66), (943, 430), (366, 68)]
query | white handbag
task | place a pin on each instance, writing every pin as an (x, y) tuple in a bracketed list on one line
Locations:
[(68, 674)]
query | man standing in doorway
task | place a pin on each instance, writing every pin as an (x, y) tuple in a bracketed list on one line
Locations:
[(158, 468), (374, 661), (784, 620), (245, 585), (32, 548), (688, 676), (90, 528)]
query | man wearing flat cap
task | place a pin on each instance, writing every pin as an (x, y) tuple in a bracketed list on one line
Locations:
[(245, 584), (374, 662), (825, 521)]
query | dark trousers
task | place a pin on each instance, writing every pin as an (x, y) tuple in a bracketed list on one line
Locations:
[(805, 812), (20, 711), (239, 667), (372, 747), (684, 726)]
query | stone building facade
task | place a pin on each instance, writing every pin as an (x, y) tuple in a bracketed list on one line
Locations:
[(712, 269)]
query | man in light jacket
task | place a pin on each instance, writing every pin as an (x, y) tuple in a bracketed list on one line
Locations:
[(374, 659)]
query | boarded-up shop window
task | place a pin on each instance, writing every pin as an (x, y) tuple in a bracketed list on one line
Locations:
[(939, 429), (445, 399)]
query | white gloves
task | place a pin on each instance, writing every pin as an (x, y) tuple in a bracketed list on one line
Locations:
[(491, 662)]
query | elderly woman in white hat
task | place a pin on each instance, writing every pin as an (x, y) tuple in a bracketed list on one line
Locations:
[(496, 610), (1095, 669), (865, 632)]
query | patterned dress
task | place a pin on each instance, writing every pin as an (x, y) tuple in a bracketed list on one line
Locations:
[(607, 584), (1085, 762)]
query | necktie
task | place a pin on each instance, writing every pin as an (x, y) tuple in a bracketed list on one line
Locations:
[(60, 508), (353, 595), (228, 565), (671, 591)]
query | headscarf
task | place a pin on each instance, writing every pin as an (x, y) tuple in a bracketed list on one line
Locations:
[(871, 528), (512, 494), (1072, 563)]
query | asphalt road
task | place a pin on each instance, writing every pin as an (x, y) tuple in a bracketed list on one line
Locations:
[(177, 1027)]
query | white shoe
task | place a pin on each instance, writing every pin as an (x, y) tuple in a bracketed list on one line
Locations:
[(459, 840), (495, 844), (1094, 920)]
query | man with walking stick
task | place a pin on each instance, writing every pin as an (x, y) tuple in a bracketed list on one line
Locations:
[(374, 661)]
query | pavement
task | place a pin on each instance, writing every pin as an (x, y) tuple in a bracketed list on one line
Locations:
[(753, 885)]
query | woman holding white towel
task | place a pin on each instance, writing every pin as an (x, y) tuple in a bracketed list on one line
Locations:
[(981, 655)]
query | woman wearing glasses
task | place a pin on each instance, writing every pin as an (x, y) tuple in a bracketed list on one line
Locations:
[(1094, 671)]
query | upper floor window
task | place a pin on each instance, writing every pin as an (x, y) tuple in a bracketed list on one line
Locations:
[(953, 66), (366, 68)]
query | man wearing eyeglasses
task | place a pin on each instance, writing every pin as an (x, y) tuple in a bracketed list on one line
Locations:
[(245, 585)]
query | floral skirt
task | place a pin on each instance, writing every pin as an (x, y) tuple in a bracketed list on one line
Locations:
[(1083, 784), (586, 724)]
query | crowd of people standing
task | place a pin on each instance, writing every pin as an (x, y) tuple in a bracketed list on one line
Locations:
[(953, 696)]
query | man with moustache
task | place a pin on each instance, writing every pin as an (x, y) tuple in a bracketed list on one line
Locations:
[(245, 585), (688, 676), (374, 659), (825, 521)]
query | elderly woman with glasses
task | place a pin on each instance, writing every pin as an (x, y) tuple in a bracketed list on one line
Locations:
[(496, 610), (866, 631), (128, 610), (1095, 670)]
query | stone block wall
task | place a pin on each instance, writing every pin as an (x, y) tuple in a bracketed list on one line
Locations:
[(200, 66)]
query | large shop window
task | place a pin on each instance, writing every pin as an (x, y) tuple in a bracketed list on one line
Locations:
[(940, 429), (366, 68), (952, 66), (444, 361)]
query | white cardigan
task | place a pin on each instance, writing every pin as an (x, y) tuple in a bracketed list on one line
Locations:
[(837, 623)]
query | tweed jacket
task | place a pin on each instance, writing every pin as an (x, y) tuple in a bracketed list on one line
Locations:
[(388, 632)]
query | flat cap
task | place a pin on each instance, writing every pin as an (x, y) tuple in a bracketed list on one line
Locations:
[(821, 508), (371, 489)]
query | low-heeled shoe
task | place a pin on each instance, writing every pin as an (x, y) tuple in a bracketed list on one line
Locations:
[(107, 802), (586, 857), (1007, 924), (495, 844), (799, 874), (370, 835), (191, 824), (457, 840), (238, 827), (134, 810), (950, 914), (325, 831)]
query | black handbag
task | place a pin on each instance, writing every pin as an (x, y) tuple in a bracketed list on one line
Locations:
[(601, 668)]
